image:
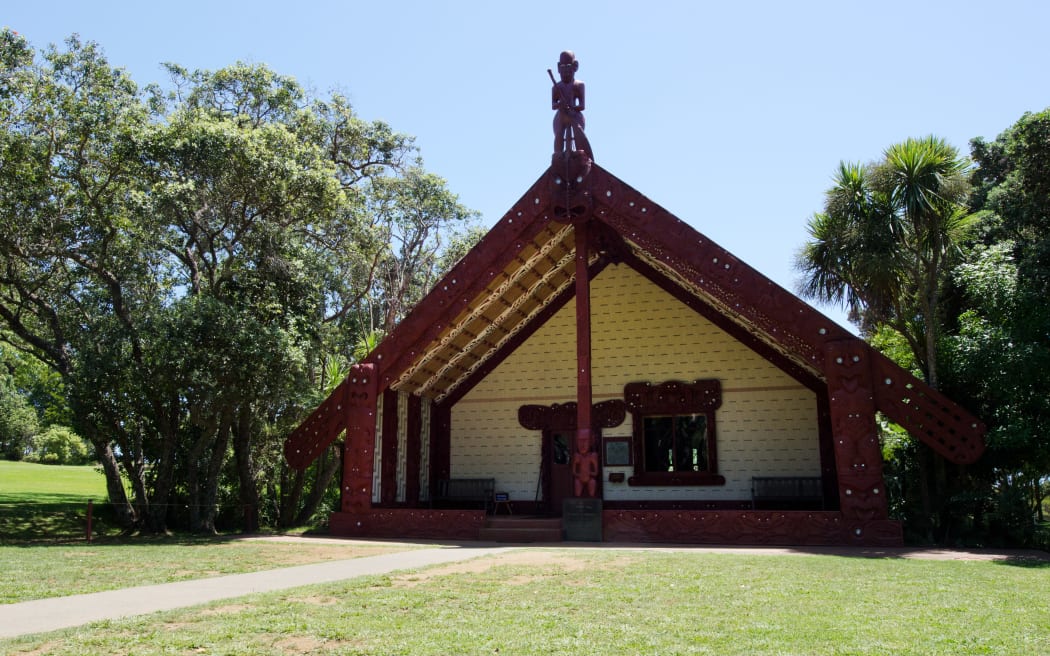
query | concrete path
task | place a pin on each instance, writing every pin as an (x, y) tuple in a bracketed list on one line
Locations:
[(56, 613)]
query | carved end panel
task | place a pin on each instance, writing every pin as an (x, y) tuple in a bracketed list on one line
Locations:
[(927, 414), (858, 457), (358, 455), (323, 425), (864, 497)]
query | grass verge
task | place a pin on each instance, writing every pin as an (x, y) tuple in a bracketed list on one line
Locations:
[(614, 602), (38, 571)]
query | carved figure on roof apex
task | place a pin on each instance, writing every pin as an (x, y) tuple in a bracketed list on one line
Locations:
[(568, 100), (572, 159)]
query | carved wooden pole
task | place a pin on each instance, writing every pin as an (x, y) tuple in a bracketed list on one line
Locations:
[(583, 353)]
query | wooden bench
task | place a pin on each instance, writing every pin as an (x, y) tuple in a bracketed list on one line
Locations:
[(459, 491), (787, 492)]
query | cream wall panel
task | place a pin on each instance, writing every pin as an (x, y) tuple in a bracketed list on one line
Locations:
[(766, 426), (487, 440)]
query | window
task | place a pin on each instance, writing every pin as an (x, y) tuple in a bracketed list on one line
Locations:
[(675, 443), (674, 436)]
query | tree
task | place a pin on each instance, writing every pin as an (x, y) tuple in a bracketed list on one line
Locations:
[(884, 246), (18, 421), (187, 261), (999, 353), (887, 238), (415, 212), (65, 179)]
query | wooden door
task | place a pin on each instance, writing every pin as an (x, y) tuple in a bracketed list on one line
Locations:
[(560, 468)]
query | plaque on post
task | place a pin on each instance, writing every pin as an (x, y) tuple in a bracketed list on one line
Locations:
[(581, 519)]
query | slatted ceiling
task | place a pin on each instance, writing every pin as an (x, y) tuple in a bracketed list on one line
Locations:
[(458, 345), (523, 284), (541, 269), (548, 262), (492, 312), (510, 331)]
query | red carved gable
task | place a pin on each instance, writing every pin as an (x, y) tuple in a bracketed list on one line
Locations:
[(508, 284)]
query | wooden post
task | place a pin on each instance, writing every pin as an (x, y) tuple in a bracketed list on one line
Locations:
[(583, 342), (90, 512)]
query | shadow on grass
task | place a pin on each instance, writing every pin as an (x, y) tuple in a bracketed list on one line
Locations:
[(65, 524), (1032, 558), (1028, 563), (51, 523)]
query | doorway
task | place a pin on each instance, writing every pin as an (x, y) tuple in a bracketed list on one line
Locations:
[(559, 486), (558, 483), (557, 423)]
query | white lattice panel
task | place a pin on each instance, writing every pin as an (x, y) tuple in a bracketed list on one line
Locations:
[(402, 443), (377, 454)]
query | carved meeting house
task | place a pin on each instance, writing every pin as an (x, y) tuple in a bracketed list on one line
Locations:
[(594, 346)]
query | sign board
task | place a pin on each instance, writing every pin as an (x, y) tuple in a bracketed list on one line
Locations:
[(581, 519), (617, 452)]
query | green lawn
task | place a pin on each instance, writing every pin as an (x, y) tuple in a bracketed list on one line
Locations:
[(48, 503), (529, 601), (598, 601), (26, 482)]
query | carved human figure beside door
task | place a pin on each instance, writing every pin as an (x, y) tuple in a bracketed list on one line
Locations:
[(585, 465)]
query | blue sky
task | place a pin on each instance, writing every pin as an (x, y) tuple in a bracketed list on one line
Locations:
[(731, 115)]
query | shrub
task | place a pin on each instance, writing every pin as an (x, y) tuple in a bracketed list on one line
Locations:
[(18, 424), (59, 445)]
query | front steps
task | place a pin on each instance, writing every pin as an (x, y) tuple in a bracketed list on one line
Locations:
[(521, 529)]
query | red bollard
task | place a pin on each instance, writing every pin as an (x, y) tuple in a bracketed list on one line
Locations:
[(91, 507)]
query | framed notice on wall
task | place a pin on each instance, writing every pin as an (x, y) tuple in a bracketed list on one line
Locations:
[(617, 451)]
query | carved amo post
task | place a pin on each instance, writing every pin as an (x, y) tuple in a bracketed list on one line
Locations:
[(358, 454), (570, 166), (862, 489), (584, 462)]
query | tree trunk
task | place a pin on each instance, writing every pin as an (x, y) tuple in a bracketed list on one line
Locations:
[(291, 494), (193, 468), (325, 473), (923, 456), (249, 492), (211, 485), (136, 471), (118, 497), (1037, 492), (165, 471)]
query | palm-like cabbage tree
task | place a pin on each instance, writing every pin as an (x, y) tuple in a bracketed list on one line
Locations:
[(887, 236)]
